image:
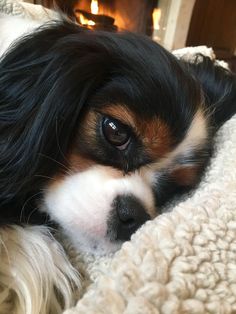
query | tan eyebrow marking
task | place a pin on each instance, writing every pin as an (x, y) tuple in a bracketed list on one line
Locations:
[(156, 136), (121, 113), (154, 133)]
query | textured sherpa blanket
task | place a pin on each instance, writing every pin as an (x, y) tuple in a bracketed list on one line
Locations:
[(184, 261), (26, 10)]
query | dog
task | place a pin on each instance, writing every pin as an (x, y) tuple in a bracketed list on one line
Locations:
[(99, 130)]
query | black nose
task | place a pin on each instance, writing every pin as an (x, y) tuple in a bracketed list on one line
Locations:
[(131, 215)]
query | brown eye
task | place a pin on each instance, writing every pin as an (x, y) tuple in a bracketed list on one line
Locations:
[(116, 133)]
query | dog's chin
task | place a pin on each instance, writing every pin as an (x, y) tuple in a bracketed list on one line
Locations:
[(98, 246)]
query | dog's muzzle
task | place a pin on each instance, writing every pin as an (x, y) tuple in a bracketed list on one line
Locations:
[(128, 215)]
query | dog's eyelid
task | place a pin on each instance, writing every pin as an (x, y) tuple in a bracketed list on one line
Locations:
[(124, 123), (124, 146)]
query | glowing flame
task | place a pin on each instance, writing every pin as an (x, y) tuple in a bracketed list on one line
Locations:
[(94, 6), (94, 10), (85, 21), (156, 16)]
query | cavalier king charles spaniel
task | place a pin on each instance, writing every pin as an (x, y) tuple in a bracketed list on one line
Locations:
[(99, 130)]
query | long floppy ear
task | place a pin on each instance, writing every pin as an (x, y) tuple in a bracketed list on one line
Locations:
[(219, 88), (45, 81)]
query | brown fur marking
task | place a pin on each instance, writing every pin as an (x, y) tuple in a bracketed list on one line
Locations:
[(156, 137), (154, 133), (121, 113), (186, 175)]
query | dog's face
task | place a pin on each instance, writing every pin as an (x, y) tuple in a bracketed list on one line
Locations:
[(112, 173), (128, 138), (123, 121)]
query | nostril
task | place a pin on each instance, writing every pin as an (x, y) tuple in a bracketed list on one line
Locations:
[(128, 222), (131, 215)]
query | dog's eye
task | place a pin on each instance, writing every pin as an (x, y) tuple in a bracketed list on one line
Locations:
[(116, 133)]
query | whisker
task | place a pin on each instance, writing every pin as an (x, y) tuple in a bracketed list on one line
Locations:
[(25, 203), (46, 177), (58, 142), (54, 160), (31, 213)]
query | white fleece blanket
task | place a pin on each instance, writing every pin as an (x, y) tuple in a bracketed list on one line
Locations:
[(26, 10), (184, 261)]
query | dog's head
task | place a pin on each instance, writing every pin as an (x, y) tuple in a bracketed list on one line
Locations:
[(105, 126)]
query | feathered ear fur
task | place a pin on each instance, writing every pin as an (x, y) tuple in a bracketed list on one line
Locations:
[(219, 94), (44, 84), (35, 274), (219, 88)]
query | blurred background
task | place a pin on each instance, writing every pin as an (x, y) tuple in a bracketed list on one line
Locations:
[(173, 23)]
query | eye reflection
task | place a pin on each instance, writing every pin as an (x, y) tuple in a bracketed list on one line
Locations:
[(116, 133)]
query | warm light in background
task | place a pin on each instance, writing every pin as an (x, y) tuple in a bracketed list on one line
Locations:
[(156, 16), (94, 6), (85, 21), (94, 10)]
